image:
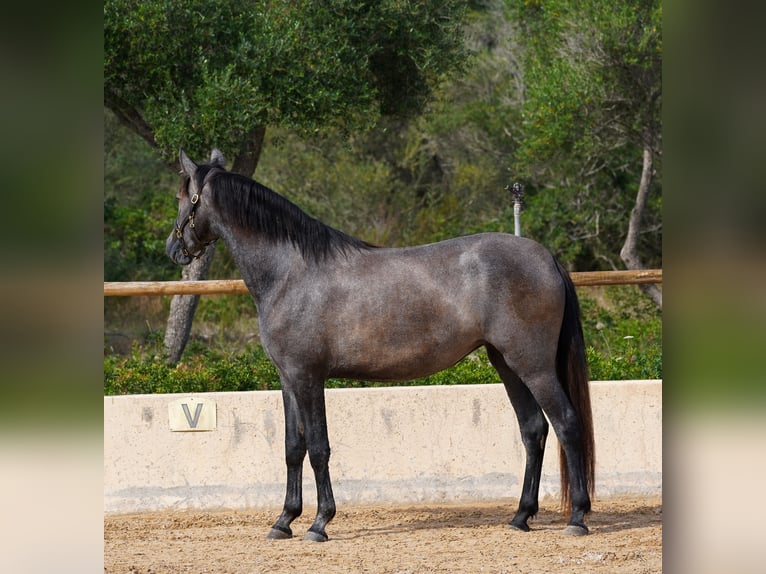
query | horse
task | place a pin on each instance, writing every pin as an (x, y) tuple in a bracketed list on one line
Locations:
[(332, 305)]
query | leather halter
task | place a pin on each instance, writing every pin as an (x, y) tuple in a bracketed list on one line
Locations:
[(190, 222)]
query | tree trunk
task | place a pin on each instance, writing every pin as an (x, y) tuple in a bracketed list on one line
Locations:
[(250, 152), (629, 251), (183, 307)]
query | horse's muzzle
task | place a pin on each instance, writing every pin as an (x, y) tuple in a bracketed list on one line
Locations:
[(175, 251)]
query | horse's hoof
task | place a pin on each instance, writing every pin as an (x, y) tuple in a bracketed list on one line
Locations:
[(520, 526), (312, 536), (276, 534), (576, 530)]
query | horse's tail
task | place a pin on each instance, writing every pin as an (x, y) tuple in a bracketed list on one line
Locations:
[(572, 371)]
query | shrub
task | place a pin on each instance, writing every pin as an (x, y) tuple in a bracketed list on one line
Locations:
[(204, 371), (623, 335)]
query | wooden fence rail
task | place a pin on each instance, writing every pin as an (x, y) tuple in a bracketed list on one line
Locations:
[(233, 286)]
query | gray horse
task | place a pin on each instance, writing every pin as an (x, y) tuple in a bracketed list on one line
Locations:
[(330, 305)]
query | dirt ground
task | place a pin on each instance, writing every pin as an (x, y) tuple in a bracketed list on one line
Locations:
[(626, 537)]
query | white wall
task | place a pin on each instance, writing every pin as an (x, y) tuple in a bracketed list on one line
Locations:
[(389, 445)]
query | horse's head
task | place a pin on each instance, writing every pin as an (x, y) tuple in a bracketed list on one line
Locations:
[(192, 232)]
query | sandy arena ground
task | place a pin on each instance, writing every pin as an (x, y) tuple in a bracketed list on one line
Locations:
[(626, 537)]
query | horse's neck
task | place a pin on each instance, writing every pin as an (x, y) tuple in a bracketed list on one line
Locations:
[(263, 263)]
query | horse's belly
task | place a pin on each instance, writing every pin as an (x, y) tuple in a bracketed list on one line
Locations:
[(386, 356)]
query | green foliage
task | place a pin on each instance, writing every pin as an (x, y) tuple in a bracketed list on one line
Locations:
[(334, 181), (593, 85), (224, 311), (200, 370), (139, 208), (623, 335), (134, 249), (204, 73), (592, 73), (629, 360)]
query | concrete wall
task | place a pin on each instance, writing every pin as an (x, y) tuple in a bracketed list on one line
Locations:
[(389, 445)]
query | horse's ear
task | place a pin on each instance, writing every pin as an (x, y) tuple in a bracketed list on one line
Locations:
[(187, 166), (216, 158)]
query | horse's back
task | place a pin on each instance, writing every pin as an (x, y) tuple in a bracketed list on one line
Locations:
[(480, 262)]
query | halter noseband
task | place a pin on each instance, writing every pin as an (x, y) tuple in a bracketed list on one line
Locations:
[(190, 222)]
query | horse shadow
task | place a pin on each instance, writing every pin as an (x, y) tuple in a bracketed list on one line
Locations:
[(416, 518)]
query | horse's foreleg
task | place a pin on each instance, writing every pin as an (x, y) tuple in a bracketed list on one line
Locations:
[(534, 433), (318, 445), (295, 453)]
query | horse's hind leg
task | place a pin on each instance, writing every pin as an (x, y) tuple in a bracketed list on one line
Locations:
[(550, 395), (534, 432)]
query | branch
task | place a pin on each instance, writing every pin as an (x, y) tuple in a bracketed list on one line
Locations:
[(130, 117), (608, 260)]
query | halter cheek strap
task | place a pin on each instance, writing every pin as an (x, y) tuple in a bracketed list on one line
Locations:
[(190, 222)]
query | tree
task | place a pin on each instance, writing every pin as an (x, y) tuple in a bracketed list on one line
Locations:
[(217, 73), (592, 115)]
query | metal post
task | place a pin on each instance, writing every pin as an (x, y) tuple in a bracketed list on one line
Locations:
[(517, 190)]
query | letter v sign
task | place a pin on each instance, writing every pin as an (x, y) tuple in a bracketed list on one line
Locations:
[(192, 421), (192, 414)]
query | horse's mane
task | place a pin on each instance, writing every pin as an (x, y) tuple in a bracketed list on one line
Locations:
[(251, 205)]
